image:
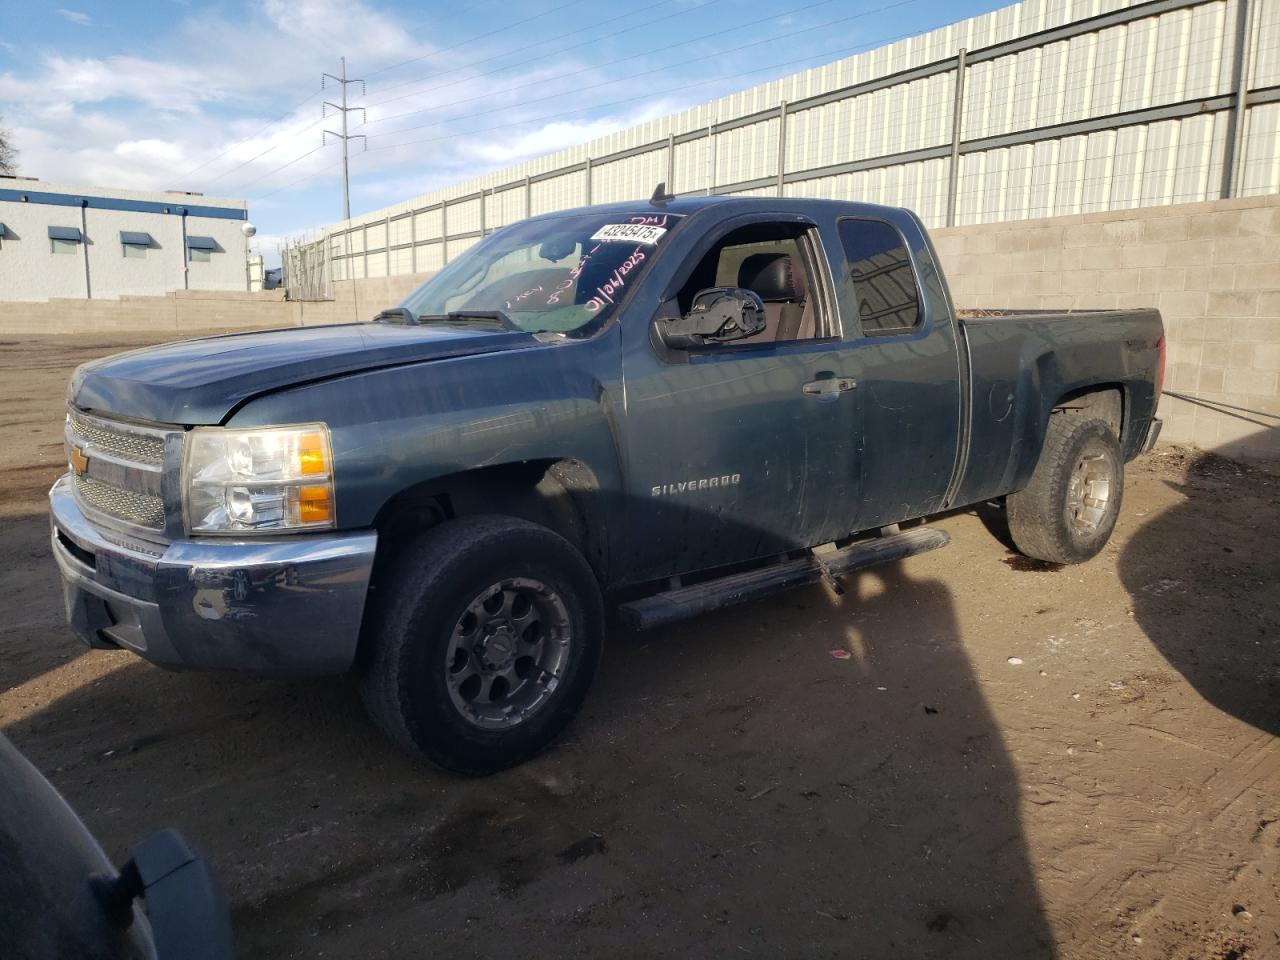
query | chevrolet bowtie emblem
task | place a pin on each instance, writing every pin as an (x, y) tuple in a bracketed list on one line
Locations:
[(79, 462)]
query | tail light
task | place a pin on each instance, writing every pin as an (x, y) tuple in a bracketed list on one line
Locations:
[(1160, 350)]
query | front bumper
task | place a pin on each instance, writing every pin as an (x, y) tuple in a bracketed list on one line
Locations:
[(288, 604)]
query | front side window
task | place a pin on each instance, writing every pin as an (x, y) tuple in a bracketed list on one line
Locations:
[(772, 260), (553, 274), (880, 284)]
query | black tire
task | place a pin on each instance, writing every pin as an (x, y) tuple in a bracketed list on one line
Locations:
[(1047, 519), (438, 579)]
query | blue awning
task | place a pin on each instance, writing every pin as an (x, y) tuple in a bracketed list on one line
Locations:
[(132, 239), (1, 229), (64, 233), (201, 243)]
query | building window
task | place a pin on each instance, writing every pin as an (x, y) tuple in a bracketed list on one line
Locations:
[(64, 239), (134, 244), (201, 249)]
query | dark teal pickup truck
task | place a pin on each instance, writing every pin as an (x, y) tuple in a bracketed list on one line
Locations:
[(703, 400)]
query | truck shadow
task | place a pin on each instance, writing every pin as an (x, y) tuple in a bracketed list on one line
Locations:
[(1225, 638), (732, 786)]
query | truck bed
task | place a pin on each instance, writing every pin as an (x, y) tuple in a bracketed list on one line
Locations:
[(1021, 362)]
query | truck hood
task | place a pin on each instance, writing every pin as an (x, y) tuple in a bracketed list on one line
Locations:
[(202, 381)]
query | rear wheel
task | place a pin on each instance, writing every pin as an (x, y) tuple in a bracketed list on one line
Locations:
[(1067, 512), (487, 644)]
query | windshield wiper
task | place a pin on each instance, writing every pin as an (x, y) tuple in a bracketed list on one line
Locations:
[(403, 315), (496, 315), (396, 315)]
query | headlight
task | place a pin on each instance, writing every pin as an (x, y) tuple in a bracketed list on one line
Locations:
[(268, 480)]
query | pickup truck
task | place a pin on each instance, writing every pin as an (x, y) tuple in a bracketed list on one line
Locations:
[(702, 400)]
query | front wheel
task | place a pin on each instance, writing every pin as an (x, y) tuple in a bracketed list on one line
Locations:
[(1068, 510), (487, 644)]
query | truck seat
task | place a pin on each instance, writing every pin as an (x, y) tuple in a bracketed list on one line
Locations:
[(780, 282)]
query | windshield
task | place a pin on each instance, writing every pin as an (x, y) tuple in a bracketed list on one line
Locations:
[(551, 274)]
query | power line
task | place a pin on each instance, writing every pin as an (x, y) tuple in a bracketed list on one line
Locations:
[(844, 51), (524, 63), (769, 40), (257, 156), (394, 66), (646, 96), (252, 136), (482, 36), (282, 166)]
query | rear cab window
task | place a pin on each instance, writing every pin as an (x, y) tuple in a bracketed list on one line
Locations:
[(878, 285)]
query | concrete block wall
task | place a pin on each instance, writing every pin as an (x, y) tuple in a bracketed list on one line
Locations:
[(1213, 270), (184, 313), (357, 299)]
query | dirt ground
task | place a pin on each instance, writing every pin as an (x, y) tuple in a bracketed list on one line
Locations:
[(1015, 761)]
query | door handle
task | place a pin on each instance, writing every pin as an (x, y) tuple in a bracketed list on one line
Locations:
[(829, 388)]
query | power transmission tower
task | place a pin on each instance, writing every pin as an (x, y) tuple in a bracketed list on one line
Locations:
[(344, 136)]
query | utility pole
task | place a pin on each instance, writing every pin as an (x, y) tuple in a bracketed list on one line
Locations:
[(344, 136)]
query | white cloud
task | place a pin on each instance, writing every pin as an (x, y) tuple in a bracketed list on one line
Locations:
[(500, 150), (76, 16), (214, 118)]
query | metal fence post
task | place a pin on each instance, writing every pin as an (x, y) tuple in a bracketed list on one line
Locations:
[(671, 162), (482, 229), (1233, 147), (782, 146), (588, 184), (528, 197), (444, 231), (957, 123), (413, 240), (364, 232)]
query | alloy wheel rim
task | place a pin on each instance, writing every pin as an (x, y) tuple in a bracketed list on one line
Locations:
[(1089, 493), (507, 653)]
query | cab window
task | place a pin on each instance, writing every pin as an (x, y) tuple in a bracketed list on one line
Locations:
[(879, 285), (772, 259)]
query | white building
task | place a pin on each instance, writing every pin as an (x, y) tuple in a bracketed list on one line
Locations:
[(67, 241)]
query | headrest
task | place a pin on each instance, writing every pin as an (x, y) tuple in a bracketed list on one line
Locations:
[(775, 276)]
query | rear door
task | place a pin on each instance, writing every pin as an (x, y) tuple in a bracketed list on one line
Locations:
[(897, 318)]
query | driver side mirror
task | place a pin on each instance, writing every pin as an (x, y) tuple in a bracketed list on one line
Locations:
[(717, 315)]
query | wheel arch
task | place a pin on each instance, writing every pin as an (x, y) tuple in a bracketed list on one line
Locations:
[(562, 494), (1106, 401)]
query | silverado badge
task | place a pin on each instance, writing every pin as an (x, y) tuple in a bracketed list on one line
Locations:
[(689, 486), (79, 462)]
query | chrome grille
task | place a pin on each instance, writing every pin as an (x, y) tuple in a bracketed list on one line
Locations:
[(135, 447), (118, 469), (140, 508)]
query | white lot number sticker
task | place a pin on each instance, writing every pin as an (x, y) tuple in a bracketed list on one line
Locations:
[(628, 233)]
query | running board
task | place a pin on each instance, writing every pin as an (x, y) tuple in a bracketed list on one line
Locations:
[(682, 602)]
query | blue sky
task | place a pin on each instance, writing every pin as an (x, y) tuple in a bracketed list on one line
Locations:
[(225, 98)]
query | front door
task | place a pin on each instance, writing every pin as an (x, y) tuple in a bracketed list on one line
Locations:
[(734, 451)]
